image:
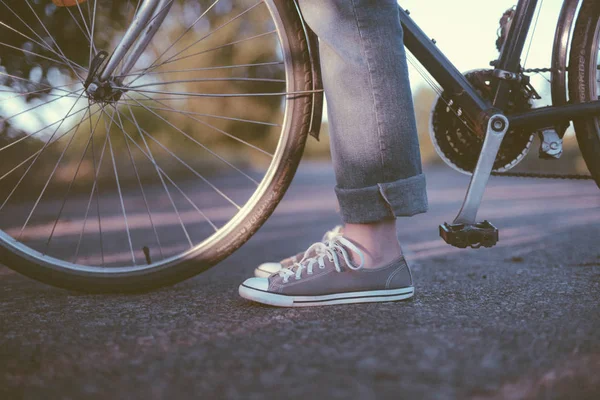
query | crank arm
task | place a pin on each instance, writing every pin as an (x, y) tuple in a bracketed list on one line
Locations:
[(497, 128), (465, 231)]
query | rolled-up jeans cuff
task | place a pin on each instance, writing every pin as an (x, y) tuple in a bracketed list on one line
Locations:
[(401, 198)]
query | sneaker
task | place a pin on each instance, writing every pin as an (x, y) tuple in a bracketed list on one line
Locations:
[(329, 277), (267, 269)]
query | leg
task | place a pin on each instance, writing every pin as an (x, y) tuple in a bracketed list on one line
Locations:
[(377, 241), (376, 158), (374, 141)]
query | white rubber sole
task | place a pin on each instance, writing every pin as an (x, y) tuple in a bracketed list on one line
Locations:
[(280, 300)]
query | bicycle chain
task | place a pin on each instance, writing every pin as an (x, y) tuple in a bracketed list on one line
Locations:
[(536, 70), (543, 176)]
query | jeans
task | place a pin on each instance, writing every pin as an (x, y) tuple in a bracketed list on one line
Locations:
[(374, 142)]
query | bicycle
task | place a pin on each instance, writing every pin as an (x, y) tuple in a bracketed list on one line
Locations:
[(230, 57)]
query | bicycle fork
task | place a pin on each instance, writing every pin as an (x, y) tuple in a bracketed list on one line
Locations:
[(100, 83), (464, 230)]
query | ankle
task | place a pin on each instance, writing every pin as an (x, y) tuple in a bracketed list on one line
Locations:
[(377, 241)]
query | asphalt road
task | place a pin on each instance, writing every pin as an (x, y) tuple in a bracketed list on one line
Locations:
[(521, 320)]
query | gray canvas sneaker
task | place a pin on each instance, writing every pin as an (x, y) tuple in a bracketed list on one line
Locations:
[(267, 269), (330, 278)]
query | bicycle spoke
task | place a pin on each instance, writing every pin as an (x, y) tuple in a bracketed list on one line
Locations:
[(220, 47), (182, 35), (205, 69), (212, 32), (139, 180), (234, 79), (49, 178), (137, 6), (84, 22), (161, 98), (64, 202), (95, 190), (37, 153), (37, 156), (33, 92), (192, 170), (250, 121), (152, 66), (53, 40), (41, 44), (161, 172), (229, 135), (93, 24), (114, 163), (40, 130), (36, 83), (86, 34), (44, 104), (150, 156), (62, 56), (203, 146), (37, 55), (87, 3), (191, 94)]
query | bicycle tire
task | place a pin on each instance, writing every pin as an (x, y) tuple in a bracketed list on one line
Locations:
[(583, 82), (292, 36)]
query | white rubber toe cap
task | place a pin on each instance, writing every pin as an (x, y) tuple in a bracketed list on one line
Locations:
[(257, 283), (267, 269)]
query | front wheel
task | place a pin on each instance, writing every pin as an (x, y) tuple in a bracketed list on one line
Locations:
[(584, 81), (155, 186)]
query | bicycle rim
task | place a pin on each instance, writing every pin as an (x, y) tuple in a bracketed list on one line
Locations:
[(592, 139), (584, 80), (165, 173)]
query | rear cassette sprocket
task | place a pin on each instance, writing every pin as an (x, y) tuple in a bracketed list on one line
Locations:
[(459, 146)]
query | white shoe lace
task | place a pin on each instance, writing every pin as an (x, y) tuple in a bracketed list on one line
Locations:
[(332, 233), (326, 237), (322, 250)]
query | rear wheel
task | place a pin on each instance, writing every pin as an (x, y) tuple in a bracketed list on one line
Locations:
[(173, 177), (584, 81)]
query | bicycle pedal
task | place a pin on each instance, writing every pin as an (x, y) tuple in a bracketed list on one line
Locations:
[(482, 234)]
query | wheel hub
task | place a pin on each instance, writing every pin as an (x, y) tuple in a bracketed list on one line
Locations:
[(107, 91), (104, 92)]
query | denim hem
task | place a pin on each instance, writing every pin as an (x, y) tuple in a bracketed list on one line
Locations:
[(401, 198)]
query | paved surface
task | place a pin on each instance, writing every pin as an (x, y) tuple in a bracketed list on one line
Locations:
[(521, 320)]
